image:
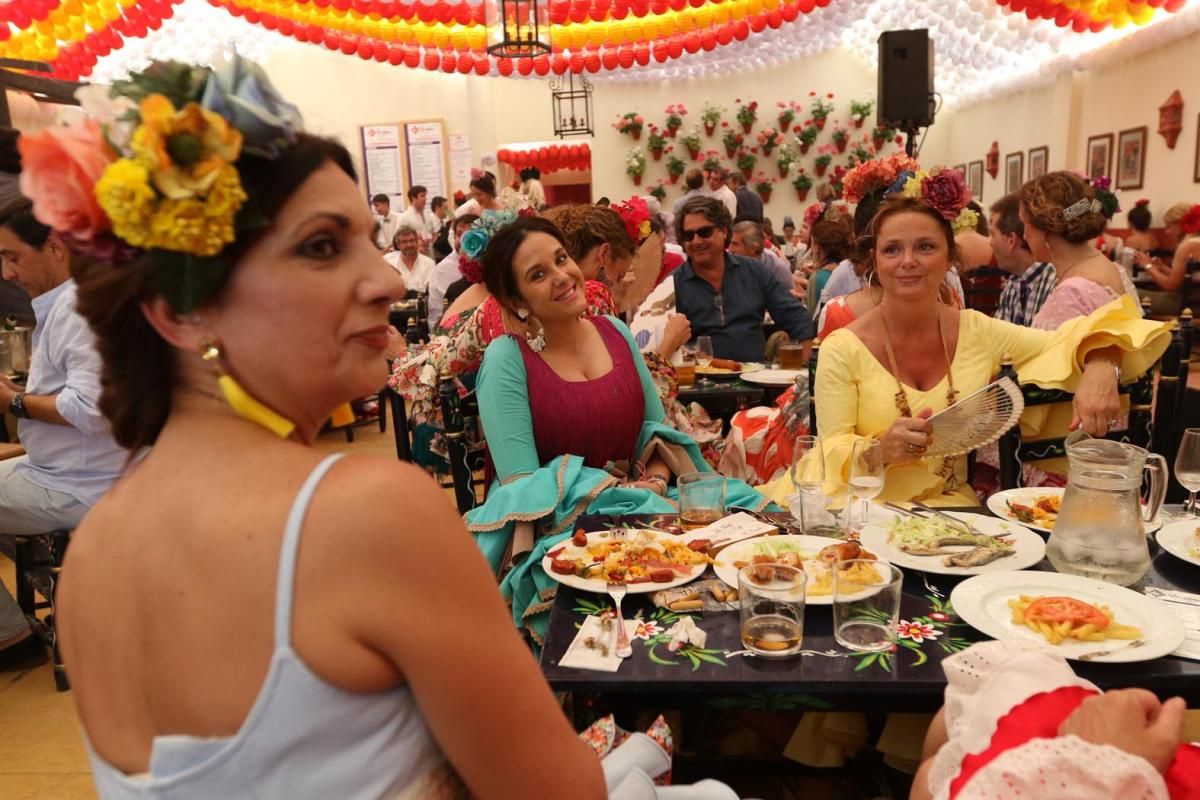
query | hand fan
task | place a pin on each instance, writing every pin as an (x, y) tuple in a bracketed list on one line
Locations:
[(978, 419)]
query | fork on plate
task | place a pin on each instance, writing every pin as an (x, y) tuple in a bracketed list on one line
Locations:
[(617, 592), (1103, 653)]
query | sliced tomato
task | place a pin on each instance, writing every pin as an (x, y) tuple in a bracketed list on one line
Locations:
[(699, 545), (555, 552), (1055, 610)]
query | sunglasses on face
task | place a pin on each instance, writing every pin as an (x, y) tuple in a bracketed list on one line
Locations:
[(704, 233)]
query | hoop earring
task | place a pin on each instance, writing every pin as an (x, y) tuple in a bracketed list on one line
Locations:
[(240, 401)]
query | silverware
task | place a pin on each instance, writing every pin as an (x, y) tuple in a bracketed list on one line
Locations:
[(953, 522), (763, 518), (908, 512), (1104, 653), (617, 591)]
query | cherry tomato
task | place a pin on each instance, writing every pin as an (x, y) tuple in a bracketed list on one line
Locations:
[(580, 538), (1066, 609)]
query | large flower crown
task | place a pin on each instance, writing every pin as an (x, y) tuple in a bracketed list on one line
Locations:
[(475, 240), (154, 170), (635, 215), (943, 189)]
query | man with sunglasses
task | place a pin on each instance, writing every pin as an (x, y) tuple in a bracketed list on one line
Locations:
[(727, 296)]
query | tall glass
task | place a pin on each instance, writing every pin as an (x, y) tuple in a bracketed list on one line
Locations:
[(866, 476), (771, 599), (684, 362), (704, 357), (1187, 466), (701, 498), (808, 476), (866, 605)]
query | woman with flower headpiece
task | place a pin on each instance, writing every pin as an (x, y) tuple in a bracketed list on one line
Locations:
[(1182, 222), (228, 612), (468, 326), (572, 417), (912, 355)]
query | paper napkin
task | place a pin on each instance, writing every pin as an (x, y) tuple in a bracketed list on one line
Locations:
[(580, 656), (1187, 607), (728, 530)]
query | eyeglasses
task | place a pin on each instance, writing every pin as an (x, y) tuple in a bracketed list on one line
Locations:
[(704, 233)]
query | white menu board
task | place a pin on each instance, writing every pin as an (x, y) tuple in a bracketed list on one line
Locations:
[(426, 144), (381, 162), (460, 160)]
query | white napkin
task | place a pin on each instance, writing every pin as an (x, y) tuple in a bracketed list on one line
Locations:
[(639, 752), (728, 530), (1187, 607), (685, 632), (580, 656)]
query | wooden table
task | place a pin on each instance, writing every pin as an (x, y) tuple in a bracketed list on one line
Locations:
[(825, 675)]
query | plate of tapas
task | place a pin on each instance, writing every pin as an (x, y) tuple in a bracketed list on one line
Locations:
[(1182, 540), (726, 369), (772, 377), (930, 544), (1078, 618), (1036, 507), (818, 555), (643, 560)]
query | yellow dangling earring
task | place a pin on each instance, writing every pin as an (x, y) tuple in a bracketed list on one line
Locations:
[(241, 401)]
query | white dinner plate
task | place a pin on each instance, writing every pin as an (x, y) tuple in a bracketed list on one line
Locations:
[(811, 545), (721, 374), (601, 586), (982, 602), (1180, 540), (773, 377), (1029, 547), (998, 505)]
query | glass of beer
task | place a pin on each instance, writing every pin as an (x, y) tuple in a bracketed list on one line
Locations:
[(685, 367), (771, 600), (701, 498), (791, 355)]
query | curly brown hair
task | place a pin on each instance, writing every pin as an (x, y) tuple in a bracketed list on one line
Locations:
[(1047, 197), (586, 227), (139, 368), (835, 239)]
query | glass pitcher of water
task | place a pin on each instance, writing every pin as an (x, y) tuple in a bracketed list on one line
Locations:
[(1100, 532)]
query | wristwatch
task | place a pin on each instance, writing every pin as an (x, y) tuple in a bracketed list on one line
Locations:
[(16, 406)]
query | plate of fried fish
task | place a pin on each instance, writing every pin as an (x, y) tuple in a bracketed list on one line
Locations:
[(931, 544)]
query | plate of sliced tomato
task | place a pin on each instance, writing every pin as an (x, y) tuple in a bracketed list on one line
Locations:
[(983, 602), (643, 560)]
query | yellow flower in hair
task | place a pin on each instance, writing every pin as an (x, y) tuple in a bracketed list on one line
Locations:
[(125, 194), (226, 196), (912, 186), (184, 150), (965, 221), (185, 226), (644, 230)]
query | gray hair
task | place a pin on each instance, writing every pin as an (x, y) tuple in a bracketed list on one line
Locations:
[(403, 229), (752, 235)]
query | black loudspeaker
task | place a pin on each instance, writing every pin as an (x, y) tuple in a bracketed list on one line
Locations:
[(905, 98)]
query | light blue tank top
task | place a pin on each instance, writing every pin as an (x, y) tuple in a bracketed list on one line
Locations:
[(303, 737)]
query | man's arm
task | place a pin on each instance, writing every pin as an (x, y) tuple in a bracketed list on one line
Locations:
[(43, 408), (788, 312)]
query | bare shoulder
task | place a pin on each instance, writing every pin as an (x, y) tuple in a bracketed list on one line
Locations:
[(1103, 272)]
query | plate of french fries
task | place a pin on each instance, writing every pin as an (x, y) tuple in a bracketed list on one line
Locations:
[(1078, 618)]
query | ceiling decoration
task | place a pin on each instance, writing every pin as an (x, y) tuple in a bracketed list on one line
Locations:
[(984, 47)]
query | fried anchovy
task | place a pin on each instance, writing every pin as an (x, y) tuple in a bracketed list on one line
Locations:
[(978, 556)]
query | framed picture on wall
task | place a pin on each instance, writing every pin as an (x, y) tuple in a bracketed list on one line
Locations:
[(1099, 156), (1131, 158), (961, 169), (1196, 169), (1038, 156), (1014, 168), (975, 179)]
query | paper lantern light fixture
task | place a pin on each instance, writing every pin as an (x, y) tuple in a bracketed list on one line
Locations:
[(1170, 119)]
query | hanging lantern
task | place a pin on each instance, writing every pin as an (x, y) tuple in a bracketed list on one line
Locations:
[(518, 28), (571, 103)]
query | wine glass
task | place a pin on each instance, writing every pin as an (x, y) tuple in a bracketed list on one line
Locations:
[(704, 357), (807, 472), (866, 473), (1187, 466)]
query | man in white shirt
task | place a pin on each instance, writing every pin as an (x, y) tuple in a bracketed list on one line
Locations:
[(717, 188), (407, 259), (71, 458), (447, 273), (420, 217), (387, 220)]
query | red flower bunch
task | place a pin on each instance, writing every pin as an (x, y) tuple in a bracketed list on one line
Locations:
[(635, 215), (1190, 224), (946, 190), (876, 175)]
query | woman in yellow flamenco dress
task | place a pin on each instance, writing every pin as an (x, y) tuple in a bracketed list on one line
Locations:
[(912, 356)]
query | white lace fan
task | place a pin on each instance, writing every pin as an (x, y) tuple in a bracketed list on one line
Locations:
[(978, 419)]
